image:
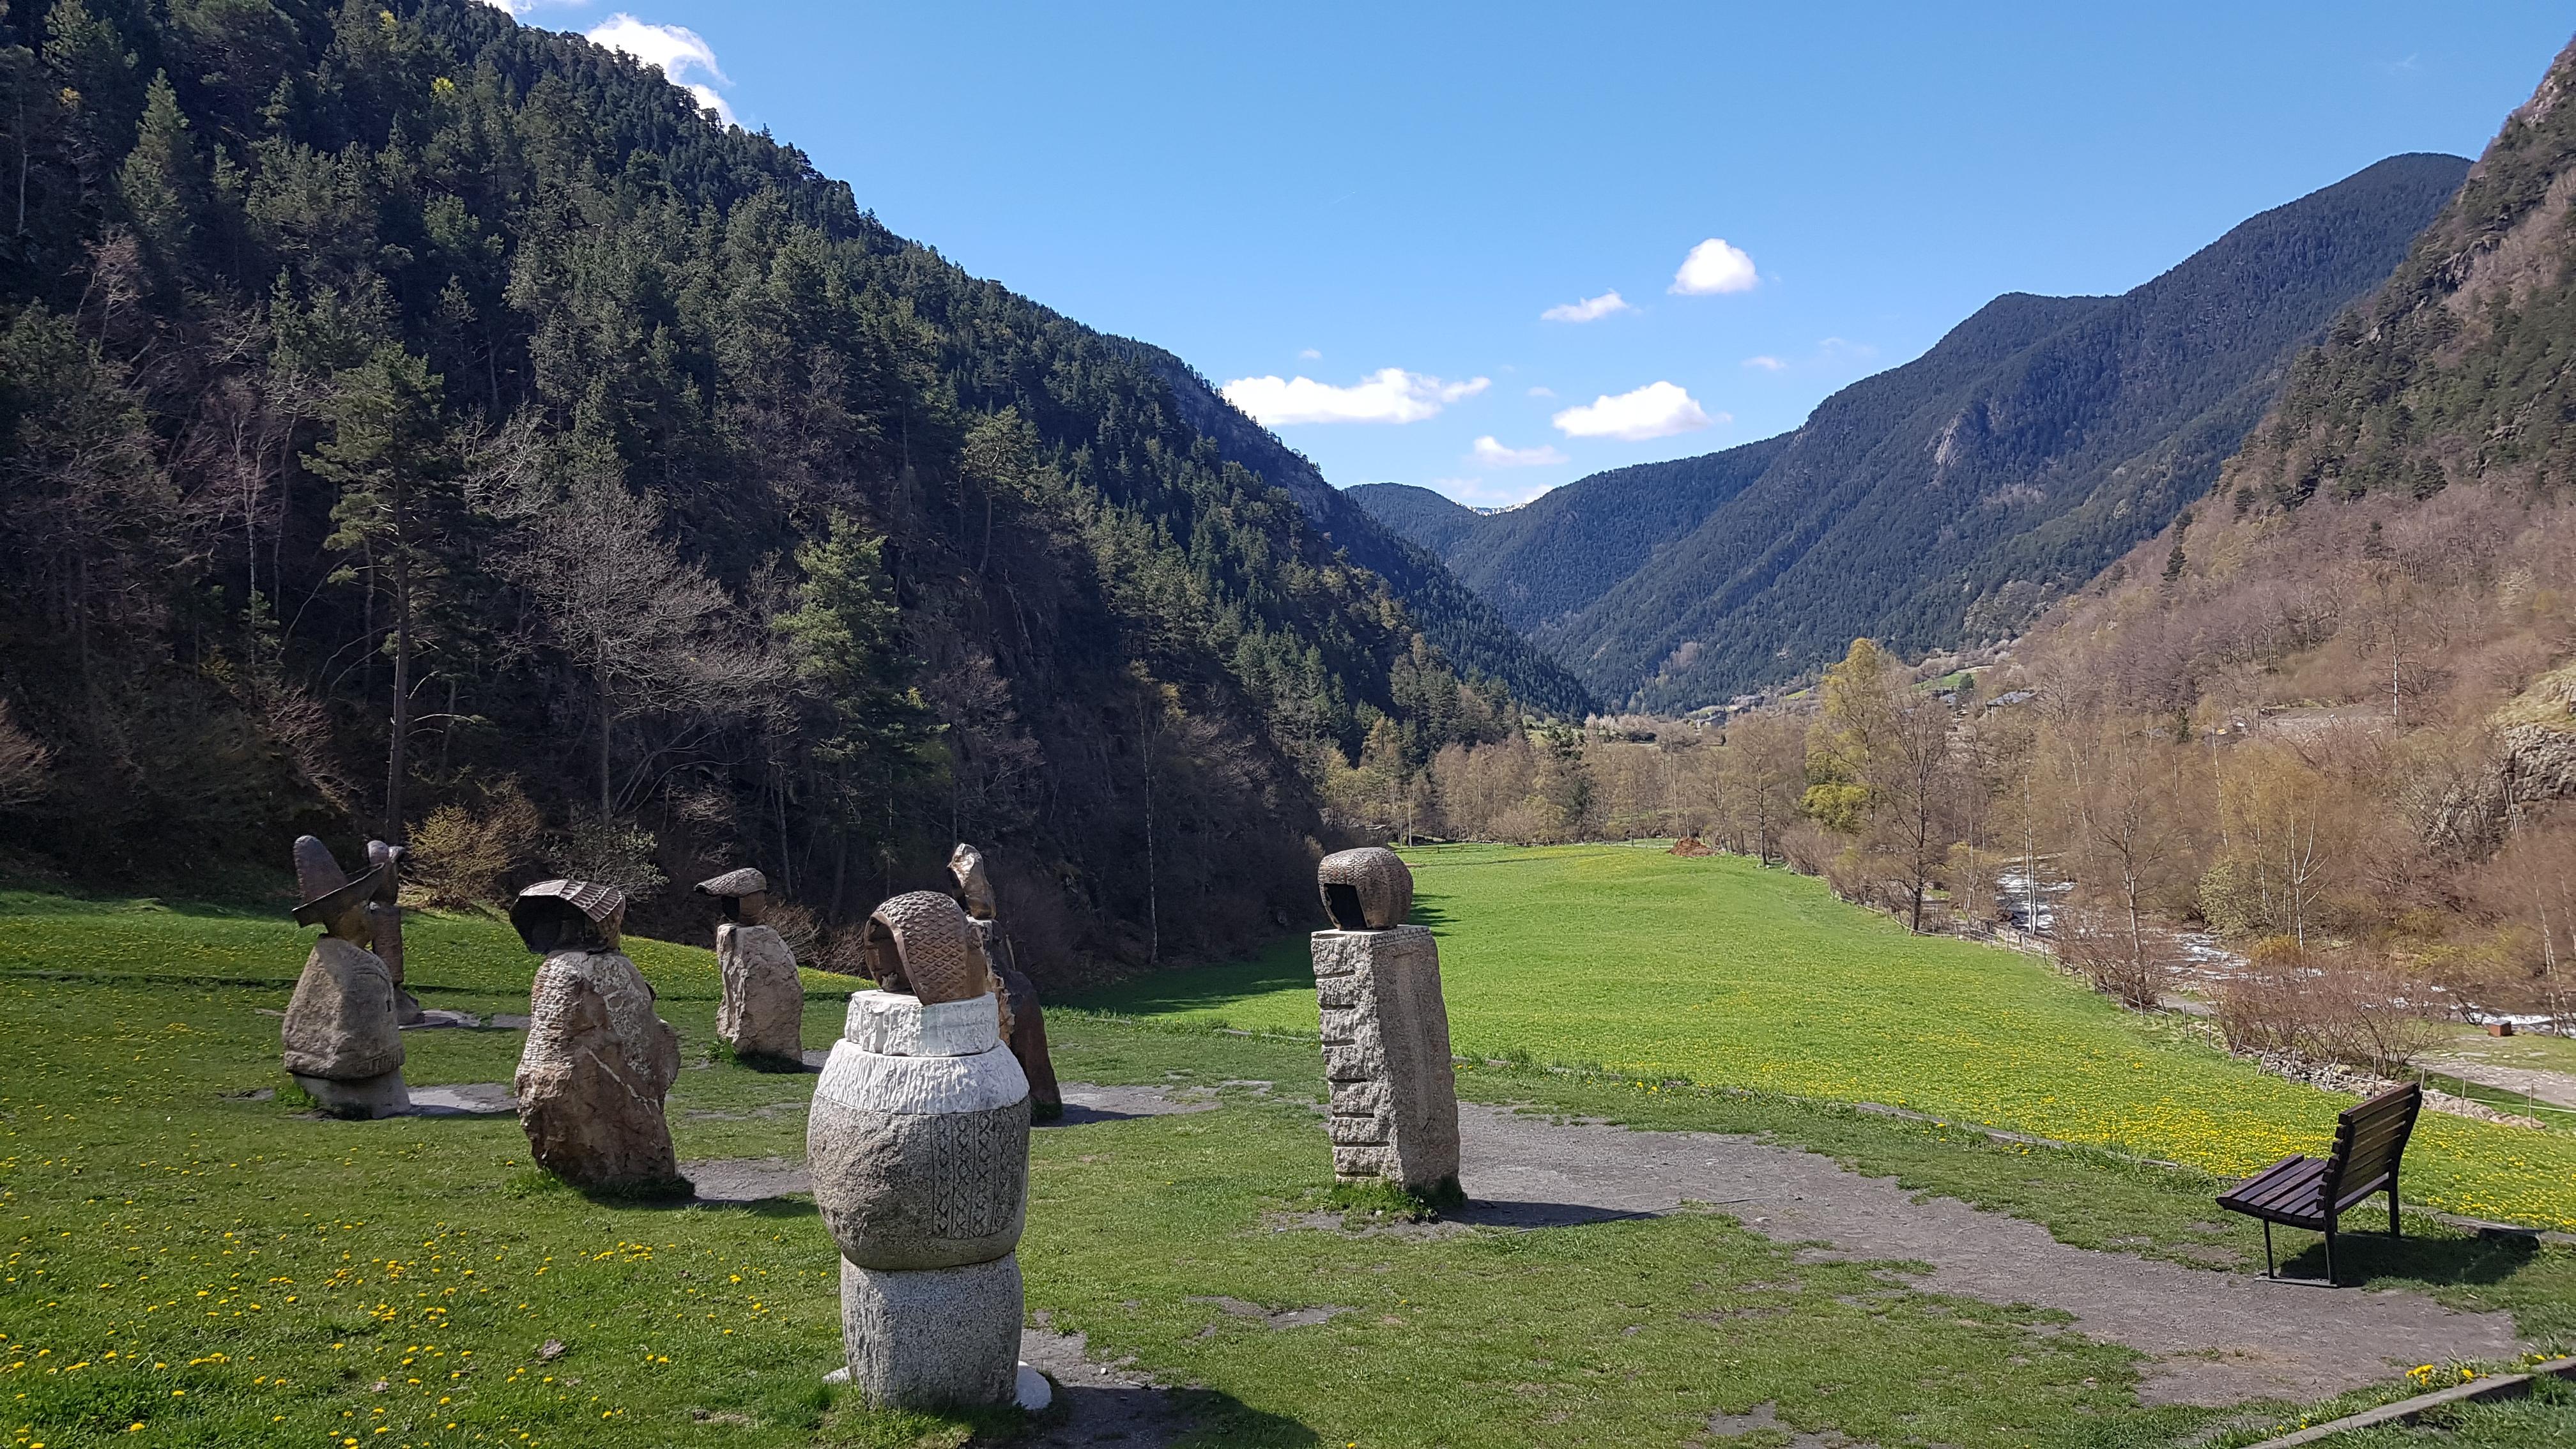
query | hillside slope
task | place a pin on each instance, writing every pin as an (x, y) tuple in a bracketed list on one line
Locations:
[(1462, 624), (1946, 501), (1434, 520), (402, 409)]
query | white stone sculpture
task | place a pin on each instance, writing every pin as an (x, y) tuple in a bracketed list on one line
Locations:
[(918, 1144)]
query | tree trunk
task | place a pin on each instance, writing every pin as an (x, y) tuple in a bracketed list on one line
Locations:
[(395, 747)]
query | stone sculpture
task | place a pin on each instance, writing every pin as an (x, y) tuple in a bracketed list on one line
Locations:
[(1394, 1111), (598, 1061), (762, 1012), (385, 924), (342, 1044), (918, 1143), (1023, 1023)]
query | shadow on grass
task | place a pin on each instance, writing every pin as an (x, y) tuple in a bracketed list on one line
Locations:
[(2361, 1257), (1280, 966)]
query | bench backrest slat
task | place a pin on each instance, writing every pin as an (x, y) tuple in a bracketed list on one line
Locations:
[(2370, 1138)]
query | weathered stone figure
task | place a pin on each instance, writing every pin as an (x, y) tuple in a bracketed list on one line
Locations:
[(598, 1061), (385, 923), (919, 1143), (1023, 1023), (343, 1046), (1385, 1028), (762, 1013)]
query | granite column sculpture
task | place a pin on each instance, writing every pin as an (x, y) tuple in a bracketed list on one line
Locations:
[(1394, 1109), (918, 1143), (342, 1043)]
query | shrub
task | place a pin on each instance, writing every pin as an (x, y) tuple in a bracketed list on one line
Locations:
[(608, 850), (463, 856)]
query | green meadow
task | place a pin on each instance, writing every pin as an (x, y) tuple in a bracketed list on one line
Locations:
[(187, 1258), (1718, 972)]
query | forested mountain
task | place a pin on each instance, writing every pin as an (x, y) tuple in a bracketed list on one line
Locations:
[(1945, 502), (411, 420), (1553, 557), (2458, 367), (1434, 520), (1462, 623)]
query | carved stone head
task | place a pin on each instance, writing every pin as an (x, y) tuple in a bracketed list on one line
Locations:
[(332, 900), (569, 915), (387, 862), (743, 895), (922, 943), (974, 887), (1370, 889)]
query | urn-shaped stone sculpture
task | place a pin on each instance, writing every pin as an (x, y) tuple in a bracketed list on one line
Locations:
[(342, 1044), (1394, 1110), (1023, 1022), (918, 1143), (598, 1060), (385, 924), (762, 1012)]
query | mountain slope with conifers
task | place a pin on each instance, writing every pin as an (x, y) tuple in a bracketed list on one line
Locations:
[(413, 421), (1946, 502)]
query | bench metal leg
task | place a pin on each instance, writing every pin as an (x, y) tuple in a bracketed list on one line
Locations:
[(2330, 1237), (2268, 1270), (2393, 1230)]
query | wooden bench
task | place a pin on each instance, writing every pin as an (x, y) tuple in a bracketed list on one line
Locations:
[(2310, 1192)]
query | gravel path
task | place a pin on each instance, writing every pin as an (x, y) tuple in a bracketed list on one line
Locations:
[(2215, 1338)]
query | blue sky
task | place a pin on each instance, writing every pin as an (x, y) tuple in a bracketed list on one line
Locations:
[(1357, 217)]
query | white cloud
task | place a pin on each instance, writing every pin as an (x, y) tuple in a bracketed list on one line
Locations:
[(1542, 392), (1475, 494), (1308, 354), (1713, 266), (1494, 455), (679, 51), (1587, 310), (1767, 363), (1389, 395), (1657, 410)]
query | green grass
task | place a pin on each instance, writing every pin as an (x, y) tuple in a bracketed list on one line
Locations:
[(226, 1271), (1718, 972)]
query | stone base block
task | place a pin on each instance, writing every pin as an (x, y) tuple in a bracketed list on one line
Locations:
[(933, 1337), (383, 1096), (1385, 1028)]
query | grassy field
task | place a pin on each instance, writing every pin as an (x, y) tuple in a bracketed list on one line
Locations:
[(1721, 973), (187, 1262)]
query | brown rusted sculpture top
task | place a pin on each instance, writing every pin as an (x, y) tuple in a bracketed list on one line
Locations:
[(387, 862), (1369, 889), (922, 943), (332, 899), (569, 915), (743, 894), (974, 887)]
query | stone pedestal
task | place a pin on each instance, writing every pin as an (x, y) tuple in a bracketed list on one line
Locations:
[(934, 1336), (762, 1013), (918, 1144), (591, 1080), (339, 1032), (1394, 1112)]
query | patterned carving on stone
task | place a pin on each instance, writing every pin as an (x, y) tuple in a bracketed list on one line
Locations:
[(921, 944), (743, 894), (1370, 889), (598, 1061), (340, 1039), (918, 1144), (1394, 1105), (569, 915)]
